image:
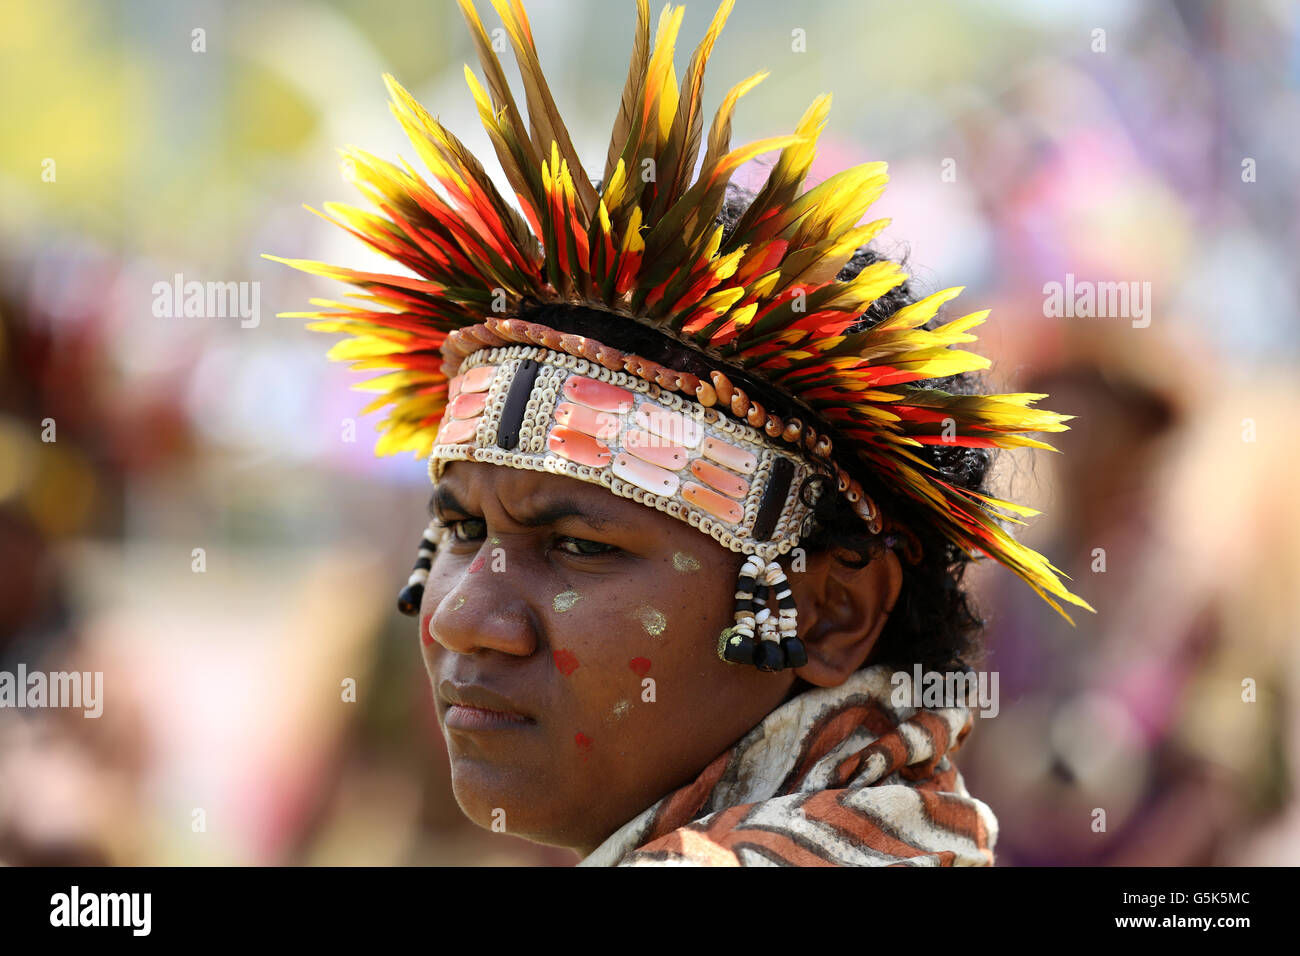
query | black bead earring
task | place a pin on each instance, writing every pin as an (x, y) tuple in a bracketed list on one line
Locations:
[(408, 602), (756, 637)]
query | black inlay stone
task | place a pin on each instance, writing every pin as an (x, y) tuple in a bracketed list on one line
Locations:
[(796, 655), (735, 648), (512, 414), (769, 657), (774, 496)]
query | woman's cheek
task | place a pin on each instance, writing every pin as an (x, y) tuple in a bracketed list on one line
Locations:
[(605, 675), (567, 619), (583, 689)]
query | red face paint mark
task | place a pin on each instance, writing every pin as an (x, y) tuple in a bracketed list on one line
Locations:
[(426, 636), (584, 744), (566, 662), (640, 666), (476, 564)]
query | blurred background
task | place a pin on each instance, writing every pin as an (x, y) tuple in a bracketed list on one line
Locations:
[(184, 507)]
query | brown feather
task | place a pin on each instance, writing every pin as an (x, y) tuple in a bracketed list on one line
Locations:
[(543, 116), (631, 90), (684, 142), (496, 77)]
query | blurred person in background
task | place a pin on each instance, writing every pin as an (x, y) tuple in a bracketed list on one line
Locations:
[(1137, 742), (61, 786)]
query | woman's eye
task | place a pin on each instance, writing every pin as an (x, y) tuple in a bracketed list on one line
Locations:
[(586, 548), (466, 530), (459, 533)]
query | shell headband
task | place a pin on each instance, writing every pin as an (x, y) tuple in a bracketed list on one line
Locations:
[(646, 249), (530, 407)]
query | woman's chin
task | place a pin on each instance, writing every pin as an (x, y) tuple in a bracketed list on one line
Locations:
[(497, 798)]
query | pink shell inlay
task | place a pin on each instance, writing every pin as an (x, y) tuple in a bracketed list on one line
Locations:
[(453, 387), (669, 424), (599, 424), (719, 478), (455, 432), (656, 450), (725, 453), (601, 396), (712, 502), (478, 379), (467, 405), (645, 475), (576, 446)]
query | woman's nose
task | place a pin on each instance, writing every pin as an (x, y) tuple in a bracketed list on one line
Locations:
[(485, 608)]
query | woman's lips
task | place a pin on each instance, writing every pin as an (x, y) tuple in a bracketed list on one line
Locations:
[(473, 707), (464, 717)]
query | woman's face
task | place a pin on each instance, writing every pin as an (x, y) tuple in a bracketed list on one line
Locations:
[(595, 618)]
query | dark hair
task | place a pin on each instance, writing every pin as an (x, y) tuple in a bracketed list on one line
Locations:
[(934, 622)]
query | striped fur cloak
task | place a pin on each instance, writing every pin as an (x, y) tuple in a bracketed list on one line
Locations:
[(834, 777)]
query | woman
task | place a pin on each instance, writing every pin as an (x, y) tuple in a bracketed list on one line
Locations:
[(637, 399)]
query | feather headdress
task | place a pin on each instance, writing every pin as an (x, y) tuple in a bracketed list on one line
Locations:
[(645, 248)]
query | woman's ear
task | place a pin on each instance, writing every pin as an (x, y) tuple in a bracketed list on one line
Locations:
[(842, 611)]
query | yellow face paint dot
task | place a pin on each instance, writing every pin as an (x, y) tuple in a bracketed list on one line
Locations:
[(565, 600), (459, 601), (685, 563), (652, 620)]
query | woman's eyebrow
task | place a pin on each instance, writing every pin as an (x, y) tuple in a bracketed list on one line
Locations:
[(443, 500)]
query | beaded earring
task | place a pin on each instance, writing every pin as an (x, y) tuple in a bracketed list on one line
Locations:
[(756, 637), (408, 602)]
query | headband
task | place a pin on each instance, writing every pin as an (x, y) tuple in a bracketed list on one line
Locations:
[(532, 408)]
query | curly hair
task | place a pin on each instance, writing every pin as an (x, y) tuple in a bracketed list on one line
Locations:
[(934, 622)]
